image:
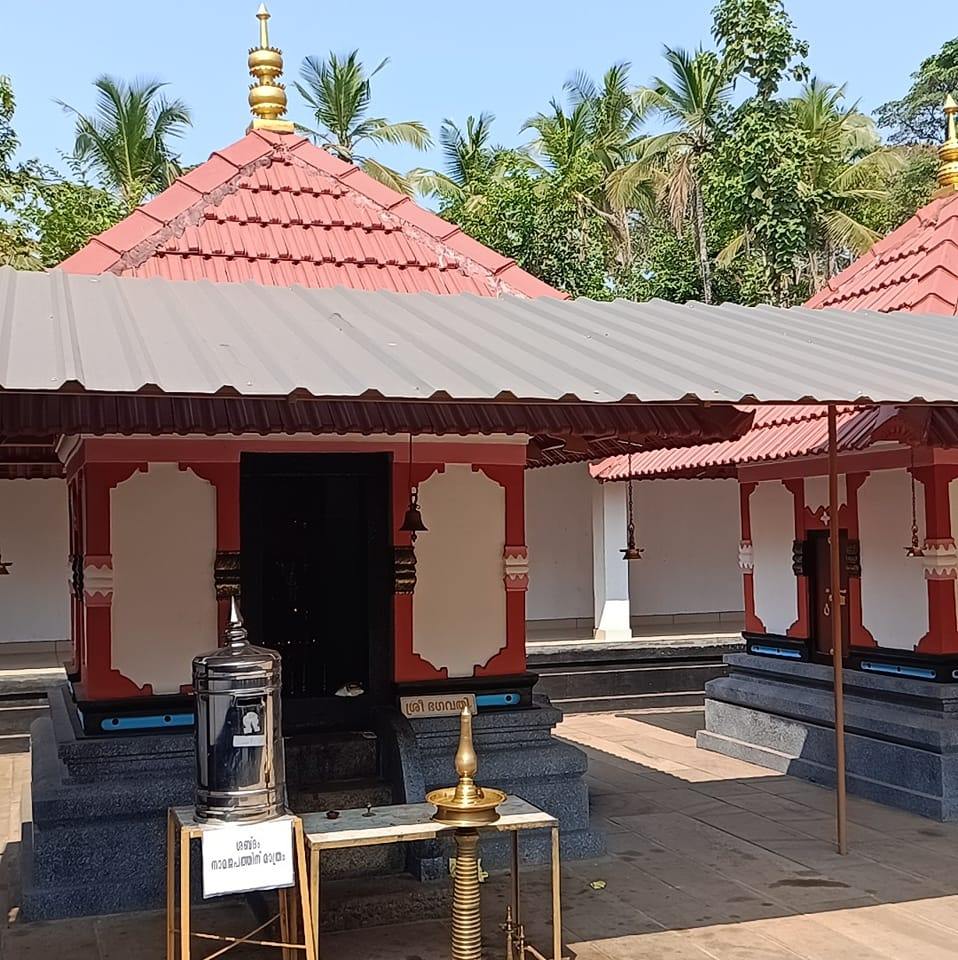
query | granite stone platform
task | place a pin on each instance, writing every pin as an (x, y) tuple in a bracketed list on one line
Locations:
[(94, 840), (901, 733)]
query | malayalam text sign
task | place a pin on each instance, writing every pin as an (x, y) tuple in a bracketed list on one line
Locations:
[(241, 857), (438, 705)]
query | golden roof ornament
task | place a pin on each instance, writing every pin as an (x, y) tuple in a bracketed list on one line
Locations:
[(948, 152), (267, 96)]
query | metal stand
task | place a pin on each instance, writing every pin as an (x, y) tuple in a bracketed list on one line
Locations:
[(408, 823), (294, 912)]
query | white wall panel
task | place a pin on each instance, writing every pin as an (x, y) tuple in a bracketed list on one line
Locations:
[(559, 537), (163, 538), (689, 530), (459, 608), (772, 512), (894, 591), (34, 537)]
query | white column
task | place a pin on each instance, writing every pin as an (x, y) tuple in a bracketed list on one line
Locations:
[(610, 573)]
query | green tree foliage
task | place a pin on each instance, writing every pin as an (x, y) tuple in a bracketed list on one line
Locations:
[(126, 144), (65, 214), (757, 42), (17, 246), (917, 117), (338, 91)]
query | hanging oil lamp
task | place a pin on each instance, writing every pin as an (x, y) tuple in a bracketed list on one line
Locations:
[(914, 548), (412, 521), (631, 551), (5, 567)]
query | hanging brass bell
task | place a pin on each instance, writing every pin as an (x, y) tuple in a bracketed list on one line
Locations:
[(412, 522)]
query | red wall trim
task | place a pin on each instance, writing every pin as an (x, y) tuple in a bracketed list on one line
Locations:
[(408, 666), (942, 635)]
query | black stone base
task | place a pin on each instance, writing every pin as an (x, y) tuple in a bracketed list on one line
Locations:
[(517, 753), (901, 733), (96, 841)]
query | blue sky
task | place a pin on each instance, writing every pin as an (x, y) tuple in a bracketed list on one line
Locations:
[(447, 59)]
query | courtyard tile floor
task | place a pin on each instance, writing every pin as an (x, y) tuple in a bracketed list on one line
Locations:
[(708, 858)]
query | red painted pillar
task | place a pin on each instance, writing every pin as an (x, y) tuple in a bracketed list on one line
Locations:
[(98, 679), (941, 560), (225, 480)]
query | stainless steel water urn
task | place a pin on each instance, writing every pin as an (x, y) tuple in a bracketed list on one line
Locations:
[(240, 770)]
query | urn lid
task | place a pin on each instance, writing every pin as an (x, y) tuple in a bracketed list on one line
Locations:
[(237, 657)]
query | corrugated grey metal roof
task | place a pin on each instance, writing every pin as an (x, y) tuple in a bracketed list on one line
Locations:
[(109, 334)]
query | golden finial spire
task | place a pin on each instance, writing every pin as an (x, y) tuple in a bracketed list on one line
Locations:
[(948, 152), (267, 96)]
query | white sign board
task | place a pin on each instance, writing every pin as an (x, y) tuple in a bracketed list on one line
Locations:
[(241, 857), (438, 705)]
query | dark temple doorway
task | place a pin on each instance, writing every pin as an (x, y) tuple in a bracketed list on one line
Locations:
[(820, 598), (316, 578)]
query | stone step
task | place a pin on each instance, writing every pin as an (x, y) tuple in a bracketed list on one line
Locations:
[(323, 757), (587, 681), (637, 701), (16, 715)]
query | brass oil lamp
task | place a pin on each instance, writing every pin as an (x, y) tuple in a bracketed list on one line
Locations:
[(466, 806)]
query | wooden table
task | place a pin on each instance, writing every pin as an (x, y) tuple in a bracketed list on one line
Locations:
[(408, 822), (183, 827)]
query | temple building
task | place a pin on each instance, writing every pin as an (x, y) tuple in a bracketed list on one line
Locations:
[(899, 520), (350, 461)]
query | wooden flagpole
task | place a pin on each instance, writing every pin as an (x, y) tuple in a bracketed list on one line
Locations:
[(835, 562)]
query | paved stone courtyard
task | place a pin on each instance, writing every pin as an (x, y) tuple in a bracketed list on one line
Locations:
[(708, 858)]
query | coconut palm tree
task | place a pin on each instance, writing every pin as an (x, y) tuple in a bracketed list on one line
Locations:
[(339, 92), (471, 162), (126, 142), (692, 103), (847, 165), (587, 144)]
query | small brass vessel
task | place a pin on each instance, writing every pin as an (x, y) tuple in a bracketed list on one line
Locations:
[(466, 804)]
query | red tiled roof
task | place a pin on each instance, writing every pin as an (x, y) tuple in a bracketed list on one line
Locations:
[(777, 433), (275, 209), (914, 268)]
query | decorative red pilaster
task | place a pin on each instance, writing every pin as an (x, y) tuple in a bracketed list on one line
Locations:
[(409, 667), (98, 679), (860, 636), (225, 480), (511, 659), (940, 561)]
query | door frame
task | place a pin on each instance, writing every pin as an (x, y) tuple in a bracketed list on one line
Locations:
[(256, 469)]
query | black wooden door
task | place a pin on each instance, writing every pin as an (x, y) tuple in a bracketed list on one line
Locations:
[(315, 564), (820, 591)]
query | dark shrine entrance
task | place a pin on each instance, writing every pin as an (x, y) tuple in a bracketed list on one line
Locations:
[(820, 591), (316, 578)]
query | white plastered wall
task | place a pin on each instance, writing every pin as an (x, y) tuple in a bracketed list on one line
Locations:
[(559, 537), (894, 591), (459, 608), (689, 531), (34, 537), (163, 539), (772, 514)]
